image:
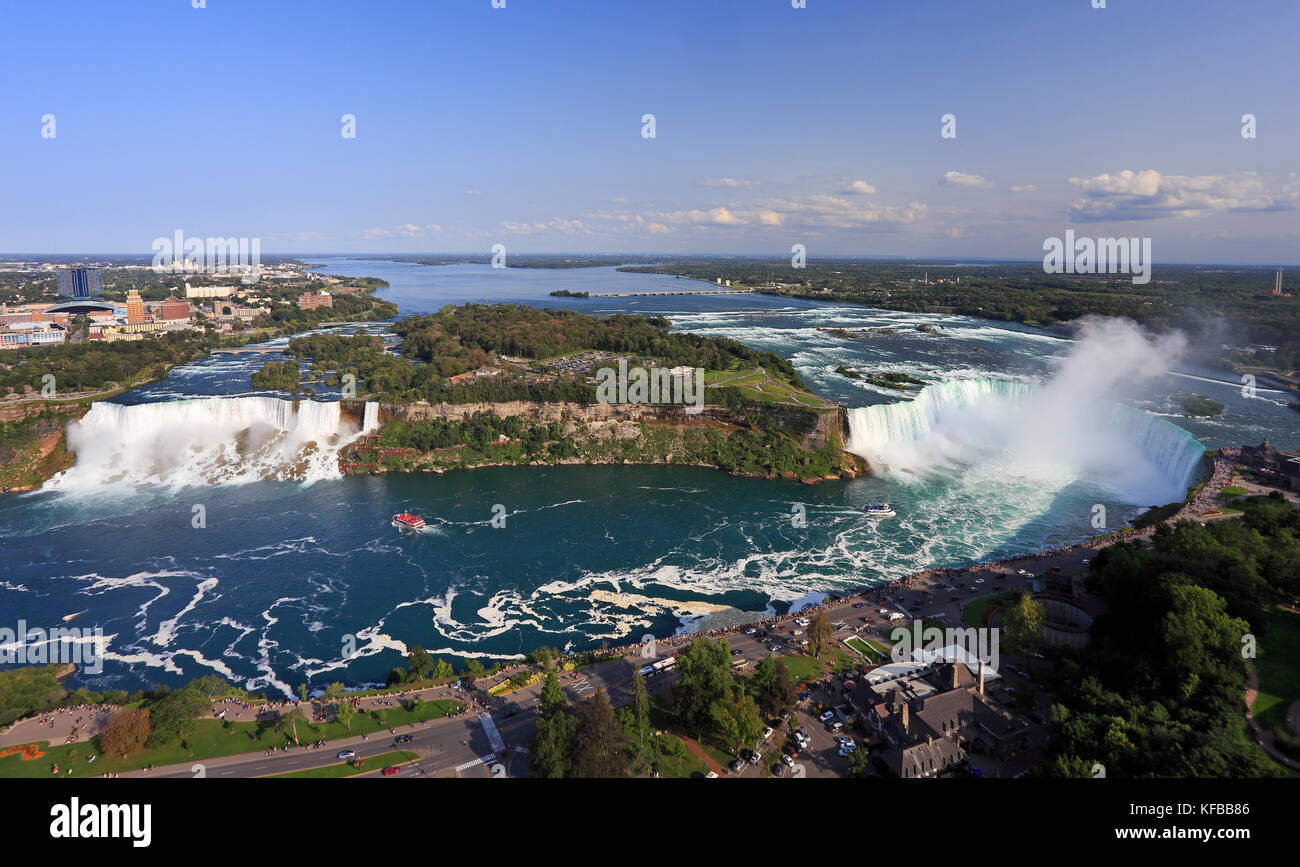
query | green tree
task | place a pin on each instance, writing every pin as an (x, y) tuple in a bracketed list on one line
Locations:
[(174, 715), (344, 713), (418, 662), (548, 757), (737, 719), (705, 667), (772, 687), (598, 749), (820, 635), (1022, 626), (640, 734)]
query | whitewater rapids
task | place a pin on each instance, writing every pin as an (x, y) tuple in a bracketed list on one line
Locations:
[(206, 441)]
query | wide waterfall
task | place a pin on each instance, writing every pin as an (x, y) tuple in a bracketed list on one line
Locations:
[(209, 441), (1025, 432)]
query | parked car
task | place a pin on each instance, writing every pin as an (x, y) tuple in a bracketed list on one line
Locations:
[(347, 754), (803, 696), (787, 761), (390, 770), (979, 580), (827, 716), (755, 757), (778, 769), (767, 733), (834, 726), (775, 648), (738, 765), (859, 605), (750, 631), (737, 652)]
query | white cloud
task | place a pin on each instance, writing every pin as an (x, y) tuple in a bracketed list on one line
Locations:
[(962, 179), (1149, 195), (860, 188), (734, 183), (473, 192), (1024, 188)]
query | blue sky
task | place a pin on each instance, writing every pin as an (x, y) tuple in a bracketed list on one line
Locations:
[(774, 125)]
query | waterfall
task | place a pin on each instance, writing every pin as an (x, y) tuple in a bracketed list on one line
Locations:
[(371, 420), (206, 441), (1029, 432)]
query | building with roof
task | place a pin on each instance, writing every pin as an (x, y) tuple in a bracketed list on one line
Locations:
[(934, 719)]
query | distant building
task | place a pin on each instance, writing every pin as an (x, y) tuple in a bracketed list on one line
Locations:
[(313, 300), (34, 335), (134, 307), (1281, 468), (79, 283), (207, 291), (174, 309)]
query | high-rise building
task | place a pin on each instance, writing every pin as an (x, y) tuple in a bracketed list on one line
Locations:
[(79, 283), (134, 307)]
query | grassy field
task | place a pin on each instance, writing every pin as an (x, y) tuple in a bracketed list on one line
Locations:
[(211, 739), (1279, 668), (870, 651), (674, 760), (974, 612), (344, 769)]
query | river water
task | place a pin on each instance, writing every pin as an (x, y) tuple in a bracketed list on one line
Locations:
[(192, 563)]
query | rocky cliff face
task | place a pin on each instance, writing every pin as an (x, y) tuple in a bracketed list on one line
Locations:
[(815, 428)]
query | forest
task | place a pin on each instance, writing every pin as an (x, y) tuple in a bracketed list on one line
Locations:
[(1160, 692)]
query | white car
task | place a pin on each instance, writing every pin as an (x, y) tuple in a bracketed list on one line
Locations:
[(767, 733), (750, 631), (802, 621), (347, 754), (755, 757), (787, 761), (979, 580), (797, 632), (827, 716), (1021, 572)]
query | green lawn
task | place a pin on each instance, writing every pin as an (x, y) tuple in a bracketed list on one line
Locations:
[(212, 739), (802, 666), (1279, 668), (868, 650), (343, 769), (973, 612), (1233, 491), (674, 760)]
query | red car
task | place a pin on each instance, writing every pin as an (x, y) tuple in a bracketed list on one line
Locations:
[(390, 770)]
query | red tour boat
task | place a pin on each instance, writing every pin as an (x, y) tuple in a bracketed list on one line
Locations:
[(408, 522)]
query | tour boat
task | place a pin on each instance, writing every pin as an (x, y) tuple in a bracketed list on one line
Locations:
[(408, 521), (880, 511)]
